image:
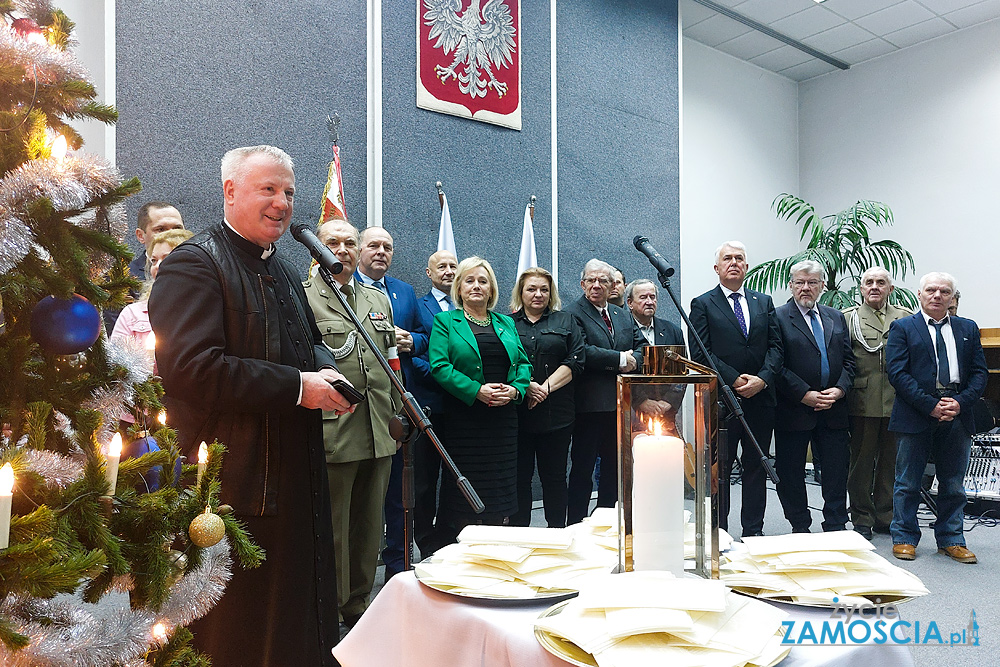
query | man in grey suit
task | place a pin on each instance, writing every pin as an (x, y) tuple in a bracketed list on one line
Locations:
[(611, 342), (812, 400), (740, 332)]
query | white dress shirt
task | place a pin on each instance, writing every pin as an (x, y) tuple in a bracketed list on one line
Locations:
[(743, 302), (949, 344)]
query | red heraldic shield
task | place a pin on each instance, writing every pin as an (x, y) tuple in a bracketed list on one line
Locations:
[(469, 59)]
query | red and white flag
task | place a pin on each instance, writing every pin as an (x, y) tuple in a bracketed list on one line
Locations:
[(393, 358), (333, 196)]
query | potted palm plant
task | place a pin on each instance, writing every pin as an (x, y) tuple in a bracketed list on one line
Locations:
[(842, 244)]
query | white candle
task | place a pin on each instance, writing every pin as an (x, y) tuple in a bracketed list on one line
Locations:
[(114, 455), (6, 495), (658, 503), (202, 461)]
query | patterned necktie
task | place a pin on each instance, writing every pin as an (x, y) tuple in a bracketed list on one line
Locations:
[(738, 310), (607, 321), (824, 361), (348, 292), (944, 368)]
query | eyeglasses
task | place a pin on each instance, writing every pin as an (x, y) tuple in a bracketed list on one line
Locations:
[(803, 283), (591, 281)]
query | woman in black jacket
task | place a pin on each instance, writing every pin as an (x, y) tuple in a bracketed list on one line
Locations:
[(553, 342)]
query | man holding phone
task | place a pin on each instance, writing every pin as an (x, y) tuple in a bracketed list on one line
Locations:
[(358, 446)]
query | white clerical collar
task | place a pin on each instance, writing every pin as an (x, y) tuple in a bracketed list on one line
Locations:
[(263, 255)]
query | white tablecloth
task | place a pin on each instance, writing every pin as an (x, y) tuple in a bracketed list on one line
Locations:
[(410, 625)]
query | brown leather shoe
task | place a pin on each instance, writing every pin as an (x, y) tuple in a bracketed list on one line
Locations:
[(959, 553), (904, 551)]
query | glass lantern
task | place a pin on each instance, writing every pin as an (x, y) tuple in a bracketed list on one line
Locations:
[(668, 512)]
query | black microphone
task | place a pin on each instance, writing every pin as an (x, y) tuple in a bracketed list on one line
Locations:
[(661, 265), (305, 235)]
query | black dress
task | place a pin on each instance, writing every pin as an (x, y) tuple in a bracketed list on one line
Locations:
[(483, 442)]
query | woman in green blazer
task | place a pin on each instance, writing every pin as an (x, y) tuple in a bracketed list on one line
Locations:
[(477, 357)]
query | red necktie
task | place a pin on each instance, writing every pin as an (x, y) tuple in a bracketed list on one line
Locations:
[(607, 321)]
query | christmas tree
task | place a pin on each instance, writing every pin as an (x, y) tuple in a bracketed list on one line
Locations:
[(79, 537)]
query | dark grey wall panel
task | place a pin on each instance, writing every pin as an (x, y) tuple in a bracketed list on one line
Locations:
[(194, 83), (618, 135), (199, 78), (489, 172)]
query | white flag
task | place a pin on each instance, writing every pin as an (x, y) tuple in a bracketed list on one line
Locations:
[(528, 258), (446, 238)]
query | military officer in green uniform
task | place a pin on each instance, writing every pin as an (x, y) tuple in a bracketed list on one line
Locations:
[(358, 446), (873, 448)]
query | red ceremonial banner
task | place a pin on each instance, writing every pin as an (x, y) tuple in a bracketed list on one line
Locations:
[(469, 59)]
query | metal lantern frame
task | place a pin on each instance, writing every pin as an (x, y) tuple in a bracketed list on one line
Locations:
[(667, 373)]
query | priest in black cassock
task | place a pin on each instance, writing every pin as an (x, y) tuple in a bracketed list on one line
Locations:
[(243, 362)]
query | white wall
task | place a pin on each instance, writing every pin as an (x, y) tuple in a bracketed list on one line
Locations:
[(739, 150), (920, 131), (94, 36)]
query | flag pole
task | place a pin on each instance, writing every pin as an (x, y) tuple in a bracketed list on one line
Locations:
[(531, 205), (333, 127), (440, 188)]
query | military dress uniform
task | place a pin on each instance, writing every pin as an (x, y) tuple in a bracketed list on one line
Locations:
[(873, 448), (358, 446)]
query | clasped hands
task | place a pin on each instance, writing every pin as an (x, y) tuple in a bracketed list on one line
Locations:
[(946, 409), (495, 394), (748, 386), (536, 393), (318, 394), (823, 400)]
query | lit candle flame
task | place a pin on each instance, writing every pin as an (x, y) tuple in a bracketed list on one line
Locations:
[(657, 426), (160, 632), (162, 417), (202, 453), (59, 148), (115, 448), (151, 342), (6, 480)]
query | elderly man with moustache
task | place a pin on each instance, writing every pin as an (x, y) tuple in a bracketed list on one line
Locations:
[(936, 363), (441, 268), (740, 331), (641, 298), (869, 404), (611, 343), (377, 248), (812, 389), (243, 362), (358, 446)]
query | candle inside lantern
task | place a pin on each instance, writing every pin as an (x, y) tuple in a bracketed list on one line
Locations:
[(113, 457), (6, 495), (658, 502), (202, 461)]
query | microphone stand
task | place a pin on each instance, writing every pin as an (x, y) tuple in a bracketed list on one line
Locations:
[(401, 426), (735, 409)]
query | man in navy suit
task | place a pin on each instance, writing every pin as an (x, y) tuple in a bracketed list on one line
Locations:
[(936, 364), (441, 267), (812, 406), (641, 296), (612, 341), (740, 331), (376, 258)]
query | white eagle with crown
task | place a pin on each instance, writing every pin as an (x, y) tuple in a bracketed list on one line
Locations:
[(483, 40)]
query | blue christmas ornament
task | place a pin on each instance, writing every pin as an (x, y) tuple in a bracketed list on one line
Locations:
[(65, 326), (142, 446)]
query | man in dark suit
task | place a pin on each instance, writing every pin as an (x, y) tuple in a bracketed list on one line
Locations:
[(812, 389), (641, 297), (936, 364), (740, 332), (376, 258), (612, 343), (441, 267)]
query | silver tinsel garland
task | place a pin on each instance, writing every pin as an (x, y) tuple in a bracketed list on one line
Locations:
[(71, 184), (39, 10), (114, 401), (48, 64), (68, 632), (58, 470)]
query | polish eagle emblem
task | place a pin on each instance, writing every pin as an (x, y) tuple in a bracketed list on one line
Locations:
[(482, 39)]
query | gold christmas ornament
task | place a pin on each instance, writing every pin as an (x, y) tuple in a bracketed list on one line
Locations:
[(207, 529)]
